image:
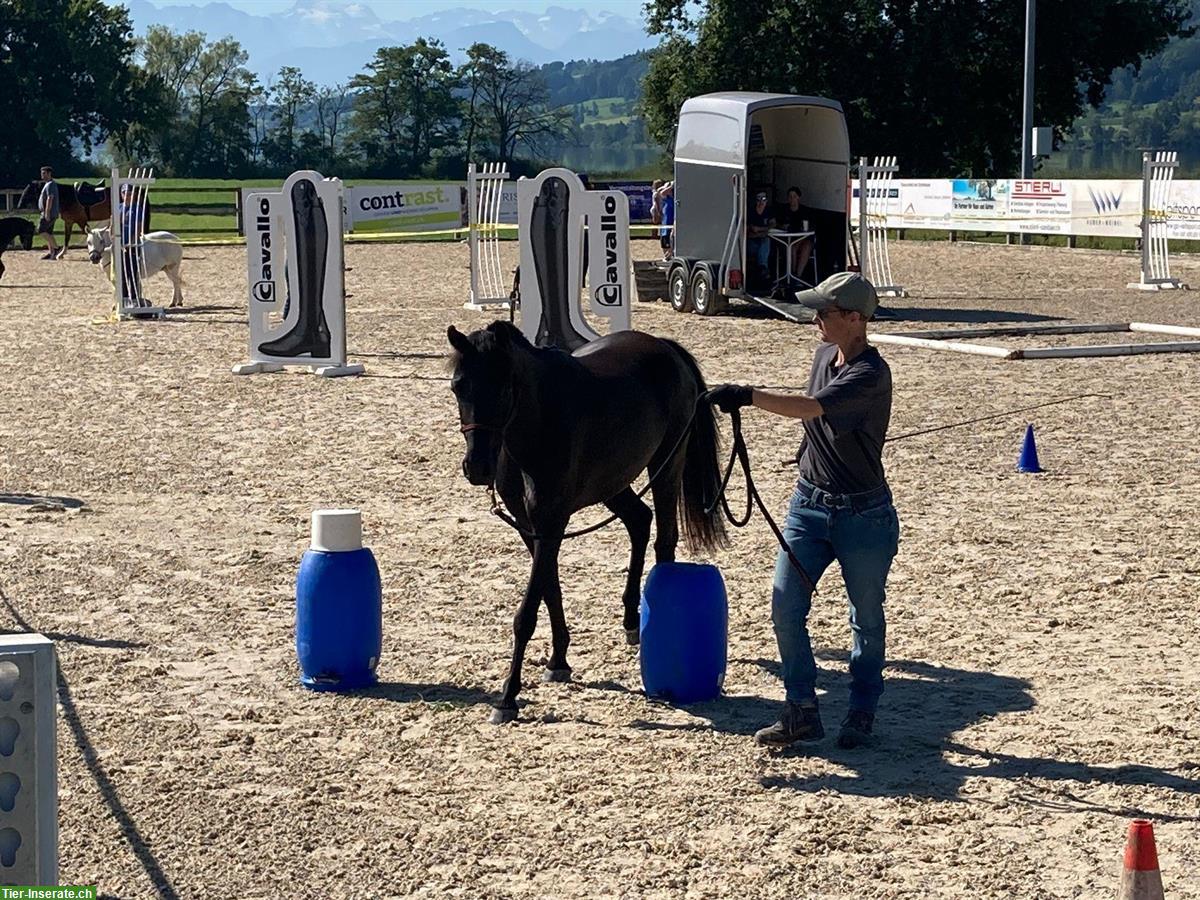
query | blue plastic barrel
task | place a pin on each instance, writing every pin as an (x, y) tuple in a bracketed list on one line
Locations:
[(684, 632), (339, 606)]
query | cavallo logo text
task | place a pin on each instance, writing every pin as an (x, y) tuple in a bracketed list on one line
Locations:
[(608, 292), (264, 288)]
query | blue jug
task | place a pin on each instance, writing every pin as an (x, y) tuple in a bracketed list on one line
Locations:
[(339, 605), (684, 632)]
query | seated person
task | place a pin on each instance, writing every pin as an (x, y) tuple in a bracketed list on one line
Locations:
[(795, 218), (758, 245)]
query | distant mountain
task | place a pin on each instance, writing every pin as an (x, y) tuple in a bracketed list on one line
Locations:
[(331, 41)]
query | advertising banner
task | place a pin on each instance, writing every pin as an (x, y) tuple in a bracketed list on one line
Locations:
[(1183, 211), (1099, 208), (1107, 208), (414, 207), (640, 195)]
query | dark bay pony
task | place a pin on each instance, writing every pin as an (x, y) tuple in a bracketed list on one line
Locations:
[(555, 433), (88, 206)]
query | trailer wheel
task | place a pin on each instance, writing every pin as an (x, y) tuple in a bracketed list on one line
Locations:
[(705, 298), (677, 288)]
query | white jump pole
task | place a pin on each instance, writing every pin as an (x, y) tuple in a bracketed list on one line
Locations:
[(1107, 350), (1181, 330), (953, 346)]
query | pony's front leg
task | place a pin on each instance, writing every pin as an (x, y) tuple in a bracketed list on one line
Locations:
[(544, 567), (66, 239)]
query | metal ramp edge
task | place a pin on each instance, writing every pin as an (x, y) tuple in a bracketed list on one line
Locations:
[(790, 310)]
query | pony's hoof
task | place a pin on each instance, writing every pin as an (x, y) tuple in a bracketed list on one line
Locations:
[(633, 636), (557, 675), (501, 716)]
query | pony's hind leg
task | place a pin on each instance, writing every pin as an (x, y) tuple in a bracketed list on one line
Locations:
[(67, 225), (666, 508), (557, 669), (172, 272), (637, 518)]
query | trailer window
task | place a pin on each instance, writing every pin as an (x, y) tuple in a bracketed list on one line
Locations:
[(711, 138)]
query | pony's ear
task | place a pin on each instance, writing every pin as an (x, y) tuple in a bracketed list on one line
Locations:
[(502, 332), (459, 341)]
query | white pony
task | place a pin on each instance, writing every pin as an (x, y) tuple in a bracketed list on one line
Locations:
[(161, 250)]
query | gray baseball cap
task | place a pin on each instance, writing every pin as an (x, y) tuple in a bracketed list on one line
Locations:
[(845, 290)]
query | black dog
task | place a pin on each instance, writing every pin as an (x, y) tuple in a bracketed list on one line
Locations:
[(13, 227)]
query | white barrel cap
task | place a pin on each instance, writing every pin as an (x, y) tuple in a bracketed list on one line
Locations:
[(336, 530)]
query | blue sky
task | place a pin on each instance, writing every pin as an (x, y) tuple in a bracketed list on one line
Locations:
[(408, 9)]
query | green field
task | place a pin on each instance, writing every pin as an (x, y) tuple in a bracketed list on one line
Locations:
[(203, 210), (199, 209), (607, 111)]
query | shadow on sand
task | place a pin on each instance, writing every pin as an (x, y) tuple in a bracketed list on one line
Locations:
[(923, 708), (42, 500), (962, 316), (403, 692)]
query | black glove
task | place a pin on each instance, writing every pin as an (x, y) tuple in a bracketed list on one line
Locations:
[(728, 397)]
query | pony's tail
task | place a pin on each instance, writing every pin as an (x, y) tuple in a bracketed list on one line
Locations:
[(702, 523)]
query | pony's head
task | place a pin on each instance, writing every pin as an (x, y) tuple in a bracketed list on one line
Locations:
[(98, 240), (483, 386)]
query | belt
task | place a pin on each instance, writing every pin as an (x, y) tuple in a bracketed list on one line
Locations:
[(880, 496)]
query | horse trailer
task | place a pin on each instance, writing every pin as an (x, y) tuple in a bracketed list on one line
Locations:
[(730, 147)]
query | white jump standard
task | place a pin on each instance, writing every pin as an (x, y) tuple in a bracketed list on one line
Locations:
[(485, 188), (28, 760), (1158, 171), (874, 183), (552, 211), (296, 278), (128, 198)]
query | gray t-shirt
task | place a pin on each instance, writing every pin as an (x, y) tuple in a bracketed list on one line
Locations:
[(49, 189), (842, 450)]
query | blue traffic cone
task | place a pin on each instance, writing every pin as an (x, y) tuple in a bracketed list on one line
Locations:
[(1028, 461)]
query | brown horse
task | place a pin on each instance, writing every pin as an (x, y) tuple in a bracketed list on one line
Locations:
[(86, 207)]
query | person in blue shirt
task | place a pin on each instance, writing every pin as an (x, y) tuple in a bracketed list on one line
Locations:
[(666, 202)]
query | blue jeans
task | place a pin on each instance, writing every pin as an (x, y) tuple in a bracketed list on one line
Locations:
[(759, 251), (862, 532)]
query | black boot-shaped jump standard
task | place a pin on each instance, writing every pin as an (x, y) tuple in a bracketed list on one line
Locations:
[(310, 335), (550, 226)]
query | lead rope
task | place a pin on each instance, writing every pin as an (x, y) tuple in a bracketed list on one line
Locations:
[(740, 453)]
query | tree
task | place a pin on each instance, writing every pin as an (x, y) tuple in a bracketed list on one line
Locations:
[(946, 91), (333, 103), (290, 93), (405, 108), (508, 104), (68, 75), (209, 91)]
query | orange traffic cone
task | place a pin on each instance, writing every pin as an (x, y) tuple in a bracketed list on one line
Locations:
[(1141, 879)]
